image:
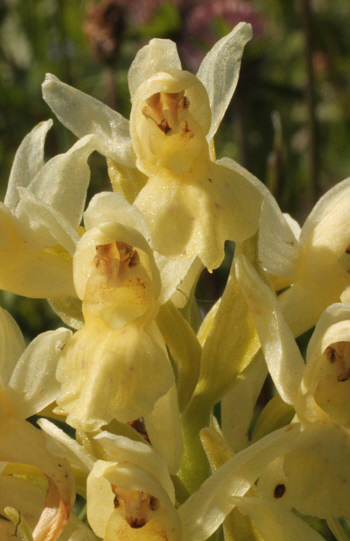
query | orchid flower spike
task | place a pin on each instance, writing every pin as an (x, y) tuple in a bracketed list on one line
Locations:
[(164, 161), (27, 385), (119, 353), (318, 391), (40, 216)]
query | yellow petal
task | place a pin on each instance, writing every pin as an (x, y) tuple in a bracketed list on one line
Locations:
[(107, 373), (318, 470)]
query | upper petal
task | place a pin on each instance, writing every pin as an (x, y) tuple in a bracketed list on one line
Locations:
[(122, 449), (220, 69), (29, 159), (158, 55), (63, 182), (84, 115)]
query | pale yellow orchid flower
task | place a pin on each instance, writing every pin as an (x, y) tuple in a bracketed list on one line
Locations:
[(314, 477), (40, 215), (165, 162), (131, 494), (27, 386), (319, 275), (116, 365)]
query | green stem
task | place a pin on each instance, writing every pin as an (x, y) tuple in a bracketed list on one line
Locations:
[(194, 464)]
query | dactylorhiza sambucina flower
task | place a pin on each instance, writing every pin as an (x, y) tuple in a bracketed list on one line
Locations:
[(313, 260), (317, 262), (40, 215), (116, 365), (131, 494), (164, 161), (318, 391), (27, 386)]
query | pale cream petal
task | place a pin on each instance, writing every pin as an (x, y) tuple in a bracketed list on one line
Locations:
[(275, 523), (206, 509), (60, 444), (333, 326), (279, 249), (318, 469), (233, 334), (237, 199), (282, 355), (242, 398), (113, 207), (195, 214), (293, 224), (163, 426), (220, 69), (11, 345), (29, 499), (274, 415), (84, 115), (333, 198), (63, 181), (69, 309), (48, 225), (158, 55), (303, 303), (127, 367), (30, 272), (33, 384), (330, 236), (178, 278), (274, 485), (122, 449), (28, 161), (182, 220), (184, 349)]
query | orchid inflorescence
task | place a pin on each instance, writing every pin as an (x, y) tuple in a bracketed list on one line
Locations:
[(139, 376)]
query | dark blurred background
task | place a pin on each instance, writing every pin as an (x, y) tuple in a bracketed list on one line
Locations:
[(289, 120)]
